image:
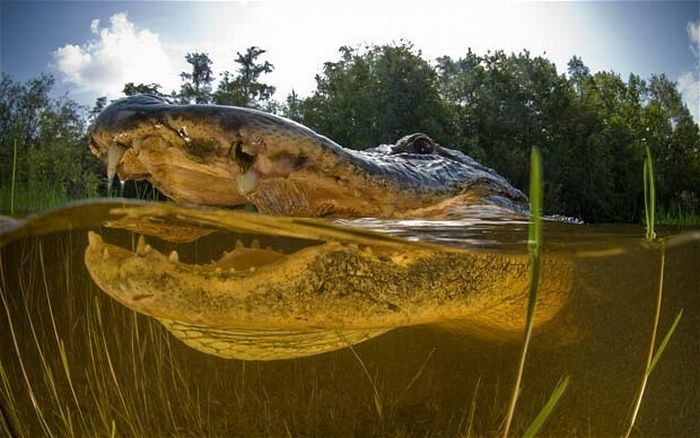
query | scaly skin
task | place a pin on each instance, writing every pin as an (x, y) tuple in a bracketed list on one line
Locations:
[(261, 304), (225, 156)]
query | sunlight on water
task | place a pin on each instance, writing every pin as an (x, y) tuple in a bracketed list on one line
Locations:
[(355, 327)]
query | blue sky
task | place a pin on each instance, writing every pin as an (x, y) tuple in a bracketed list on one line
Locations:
[(94, 47)]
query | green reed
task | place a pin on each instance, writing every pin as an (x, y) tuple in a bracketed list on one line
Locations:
[(649, 196), (653, 353), (535, 250), (14, 177)]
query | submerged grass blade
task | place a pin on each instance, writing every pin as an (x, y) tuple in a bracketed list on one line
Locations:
[(664, 342), (378, 404), (547, 408), (534, 248), (653, 356)]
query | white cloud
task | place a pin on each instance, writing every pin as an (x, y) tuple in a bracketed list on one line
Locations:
[(689, 87), (120, 53), (694, 32), (689, 82)]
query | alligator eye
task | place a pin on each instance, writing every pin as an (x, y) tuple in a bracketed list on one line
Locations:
[(421, 146)]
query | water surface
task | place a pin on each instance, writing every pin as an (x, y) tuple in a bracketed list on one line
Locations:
[(73, 361)]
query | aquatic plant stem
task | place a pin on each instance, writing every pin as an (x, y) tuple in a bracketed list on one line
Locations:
[(649, 196), (652, 355), (547, 408), (534, 248), (14, 177), (652, 343)]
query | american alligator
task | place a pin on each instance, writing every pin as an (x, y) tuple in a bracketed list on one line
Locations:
[(342, 286), (226, 156)]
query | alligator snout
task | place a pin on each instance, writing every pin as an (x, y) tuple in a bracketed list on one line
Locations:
[(227, 156)]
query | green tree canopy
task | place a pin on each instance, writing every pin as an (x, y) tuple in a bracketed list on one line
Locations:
[(375, 96), (196, 86), (245, 88)]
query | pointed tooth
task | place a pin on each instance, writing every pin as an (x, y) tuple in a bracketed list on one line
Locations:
[(232, 270), (105, 253), (217, 270), (247, 182), (94, 239), (173, 257), (388, 209), (148, 248), (136, 145), (115, 152), (239, 244), (255, 244), (368, 251), (252, 269), (141, 245)]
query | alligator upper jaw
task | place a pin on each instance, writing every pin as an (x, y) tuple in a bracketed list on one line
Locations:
[(227, 156)]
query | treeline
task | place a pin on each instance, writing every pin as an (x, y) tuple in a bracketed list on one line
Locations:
[(592, 127)]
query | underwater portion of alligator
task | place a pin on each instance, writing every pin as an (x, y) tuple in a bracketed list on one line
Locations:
[(226, 156), (342, 286)]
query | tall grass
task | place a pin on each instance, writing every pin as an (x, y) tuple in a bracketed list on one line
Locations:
[(653, 354), (535, 250), (14, 177)]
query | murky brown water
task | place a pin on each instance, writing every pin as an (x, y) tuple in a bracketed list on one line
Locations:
[(74, 361)]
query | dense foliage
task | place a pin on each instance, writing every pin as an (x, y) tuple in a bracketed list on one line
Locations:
[(48, 135), (592, 128)]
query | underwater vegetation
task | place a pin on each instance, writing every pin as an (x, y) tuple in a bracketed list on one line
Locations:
[(75, 362)]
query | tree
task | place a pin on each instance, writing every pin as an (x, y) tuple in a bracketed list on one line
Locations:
[(292, 107), (578, 73), (376, 96), (245, 89), (130, 89), (100, 104), (50, 134), (196, 86)]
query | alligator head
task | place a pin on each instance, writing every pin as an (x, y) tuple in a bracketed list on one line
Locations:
[(227, 156)]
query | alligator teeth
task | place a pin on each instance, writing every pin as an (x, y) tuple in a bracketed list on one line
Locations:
[(173, 257), (105, 253), (94, 239), (141, 245), (239, 244), (255, 244), (247, 182), (115, 152), (217, 270), (136, 145)]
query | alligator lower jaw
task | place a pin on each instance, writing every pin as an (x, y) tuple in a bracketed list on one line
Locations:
[(151, 282)]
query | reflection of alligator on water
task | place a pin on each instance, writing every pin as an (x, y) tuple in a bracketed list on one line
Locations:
[(340, 286), (331, 286)]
